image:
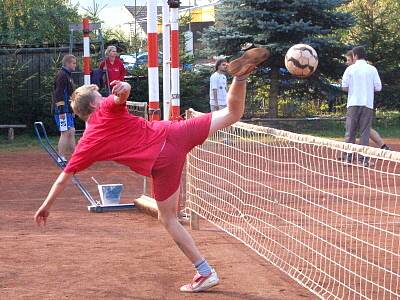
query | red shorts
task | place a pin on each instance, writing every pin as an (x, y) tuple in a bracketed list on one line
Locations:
[(182, 137)]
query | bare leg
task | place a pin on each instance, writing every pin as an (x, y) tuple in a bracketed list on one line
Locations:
[(376, 138), (71, 140), (240, 68), (167, 216), (66, 144), (235, 107)]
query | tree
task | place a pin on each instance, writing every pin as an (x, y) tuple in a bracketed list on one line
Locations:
[(93, 12), (278, 25), (378, 29), (36, 21)]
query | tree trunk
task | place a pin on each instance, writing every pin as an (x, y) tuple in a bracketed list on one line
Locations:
[(273, 93)]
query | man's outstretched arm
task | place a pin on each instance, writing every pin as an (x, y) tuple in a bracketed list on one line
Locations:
[(58, 186)]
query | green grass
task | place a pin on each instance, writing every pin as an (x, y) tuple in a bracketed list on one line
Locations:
[(23, 142), (387, 124)]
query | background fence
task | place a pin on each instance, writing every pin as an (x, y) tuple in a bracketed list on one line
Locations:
[(26, 82)]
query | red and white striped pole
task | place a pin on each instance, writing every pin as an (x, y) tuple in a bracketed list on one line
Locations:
[(152, 50), (86, 50), (175, 94), (166, 60)]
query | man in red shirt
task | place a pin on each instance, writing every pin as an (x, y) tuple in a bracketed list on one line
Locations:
[(155, 149)]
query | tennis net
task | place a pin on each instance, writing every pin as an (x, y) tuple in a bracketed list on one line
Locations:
[(326, 213)]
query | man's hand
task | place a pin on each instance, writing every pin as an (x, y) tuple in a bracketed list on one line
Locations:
[(121, 90), (58, 186), (120, 87), (41, 216)]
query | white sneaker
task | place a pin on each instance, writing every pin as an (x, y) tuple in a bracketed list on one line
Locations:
[(201, 283)]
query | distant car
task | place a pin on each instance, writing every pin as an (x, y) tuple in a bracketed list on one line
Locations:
[(142, 59), (128, 61), (204, 67)]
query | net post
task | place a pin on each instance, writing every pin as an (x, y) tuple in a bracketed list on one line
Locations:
[(194, 221), (194, 217)]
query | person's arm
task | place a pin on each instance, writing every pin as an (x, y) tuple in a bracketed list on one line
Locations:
[(102, 64), (345, 81), (214, 88), (122, 71), (61, 82), (58, 186), (215, 94), (377, 82), (121, 90)]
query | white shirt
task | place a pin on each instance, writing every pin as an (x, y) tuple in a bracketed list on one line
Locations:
[(218, 82), (363, 81)]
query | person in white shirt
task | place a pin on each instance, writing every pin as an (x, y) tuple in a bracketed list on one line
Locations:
[(218, 86), (361, 80), (374, 135)]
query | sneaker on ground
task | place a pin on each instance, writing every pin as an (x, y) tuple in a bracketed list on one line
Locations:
[(386, 147), (246, 64), (201, 283)]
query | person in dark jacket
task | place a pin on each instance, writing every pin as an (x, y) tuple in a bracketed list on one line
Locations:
[(63, 114)]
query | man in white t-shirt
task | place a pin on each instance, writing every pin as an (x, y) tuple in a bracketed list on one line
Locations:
[(218, 86), (361, 80)]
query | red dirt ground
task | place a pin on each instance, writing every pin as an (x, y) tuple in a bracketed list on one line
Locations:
[(114, 255)]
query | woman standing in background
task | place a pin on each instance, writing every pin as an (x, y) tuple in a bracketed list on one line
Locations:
[(113, 66)]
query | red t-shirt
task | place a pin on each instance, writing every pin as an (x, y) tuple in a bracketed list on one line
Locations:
[(113, 134), (116, 70)]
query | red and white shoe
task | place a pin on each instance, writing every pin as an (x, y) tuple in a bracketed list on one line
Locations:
[(244, 65), (201, 283)]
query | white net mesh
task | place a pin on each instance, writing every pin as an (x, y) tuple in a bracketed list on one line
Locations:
[(326, 213), (138, 108)]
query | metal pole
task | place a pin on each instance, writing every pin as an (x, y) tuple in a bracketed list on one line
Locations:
[(166, 61), (152, 50), (86, 51), (71, 41), (136, 46), (175, 99)]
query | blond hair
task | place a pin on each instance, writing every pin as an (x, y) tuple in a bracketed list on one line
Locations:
[(67, 59), (109, 49), (82, 100)]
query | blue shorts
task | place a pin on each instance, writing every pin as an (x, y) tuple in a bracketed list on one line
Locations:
[(64, 121)]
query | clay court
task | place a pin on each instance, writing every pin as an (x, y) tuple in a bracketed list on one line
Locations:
[(113, 255)]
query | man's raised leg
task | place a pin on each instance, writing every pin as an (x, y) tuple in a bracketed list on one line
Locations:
[(240, 68)]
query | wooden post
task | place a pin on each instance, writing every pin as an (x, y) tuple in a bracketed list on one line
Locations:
[(10, 136), (194, 221)]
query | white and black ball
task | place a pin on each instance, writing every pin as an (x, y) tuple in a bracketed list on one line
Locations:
[(301, 60)]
